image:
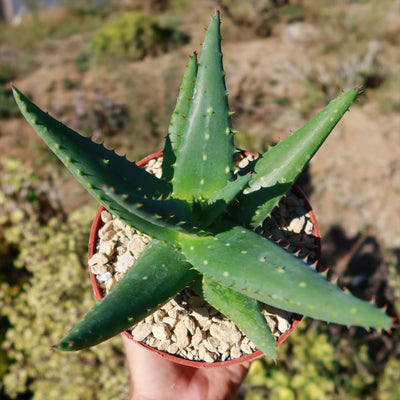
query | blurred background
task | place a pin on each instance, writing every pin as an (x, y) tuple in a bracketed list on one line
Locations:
[(112, 70)]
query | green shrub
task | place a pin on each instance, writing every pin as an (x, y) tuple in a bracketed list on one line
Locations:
[(134, 35), (50, 263), (341, 368)]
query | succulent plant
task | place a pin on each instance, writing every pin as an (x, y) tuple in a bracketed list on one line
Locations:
[(202, 214)]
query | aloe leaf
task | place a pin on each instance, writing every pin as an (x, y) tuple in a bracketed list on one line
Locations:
[(204, 162), (161, 219), (158, 274), (276, 170), (91, 163), (244, 311), (220, 200), (179, 118), (255, 266)]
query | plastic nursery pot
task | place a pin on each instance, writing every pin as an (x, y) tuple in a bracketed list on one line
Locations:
[(93, 239)]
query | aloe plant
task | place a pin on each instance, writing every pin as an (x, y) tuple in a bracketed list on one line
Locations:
[(202, 213)]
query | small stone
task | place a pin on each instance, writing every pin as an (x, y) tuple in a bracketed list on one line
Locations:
[(198, 337), (106, 216), (172, 348), (118, 276), (243, 163), (164, 344), (136, 245), (181, 333), (235, 352), (170, 321), (107, 248), (309, 228), (173, 313), (206, 355), (123, 262), (153, 342), (161, 331), (213, 343), (207, 325), (236, 335), (297, 224), (109, 235), (149, 319), (110, 283), (98, 263), (283, 324), (245, 348), (102, 278), (118, 224), (167, 306), (123, 241), (189, 355), (107, 227), (225, 355), (223, 347), (158, 316), (189, 324), (141, 331)]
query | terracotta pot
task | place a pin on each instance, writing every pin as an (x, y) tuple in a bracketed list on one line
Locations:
[(97, 223)]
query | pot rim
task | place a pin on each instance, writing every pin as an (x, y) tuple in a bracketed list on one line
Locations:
[(179, 360)]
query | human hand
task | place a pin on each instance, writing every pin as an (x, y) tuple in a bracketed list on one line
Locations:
[(153, 377)]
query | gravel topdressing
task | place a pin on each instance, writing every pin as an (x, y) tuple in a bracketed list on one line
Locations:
[(187, 326)]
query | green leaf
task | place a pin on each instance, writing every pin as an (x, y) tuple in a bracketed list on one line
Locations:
[(158, 274), (179, 118), (244, 311), (255, 266), (91, 163), (161, 219), (205, 162), (276, 170), (220, 200)]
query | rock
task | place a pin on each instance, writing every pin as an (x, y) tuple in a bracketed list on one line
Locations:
[(110, 283), (136, 245), (224, 347), (189, 324), (161, 331), (164, 344), (141, 331), (172, 348), (198, 337), (206, 355), (106, 216), (283, 324), (235, 352), (245, 348), (158, 315), (170, 321), (297, 224), (123, 262), (107, 248), (181, 333), (97, 264), (236, 335)]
